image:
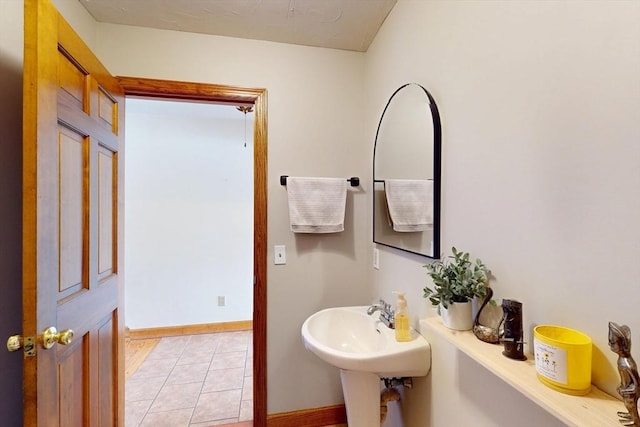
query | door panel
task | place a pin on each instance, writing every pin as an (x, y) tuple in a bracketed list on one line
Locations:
[(72, 78), (106, 204), (71, 168), (73, 128), (72, 386), (107, 333), (108, 110)]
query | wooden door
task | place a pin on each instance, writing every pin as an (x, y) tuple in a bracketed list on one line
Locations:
[(72, 221)]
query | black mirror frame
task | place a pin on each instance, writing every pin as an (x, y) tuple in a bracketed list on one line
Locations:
[(437, 172)]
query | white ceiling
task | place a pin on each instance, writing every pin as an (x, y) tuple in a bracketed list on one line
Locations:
[(338, 24)]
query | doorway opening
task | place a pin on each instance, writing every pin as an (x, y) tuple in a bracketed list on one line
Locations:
[(189, 257), (234, 96)]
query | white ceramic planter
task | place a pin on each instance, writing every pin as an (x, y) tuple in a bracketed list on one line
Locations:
[(475, 306), (457, 316)]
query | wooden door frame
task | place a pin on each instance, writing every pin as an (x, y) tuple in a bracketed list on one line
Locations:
[(134, 86)]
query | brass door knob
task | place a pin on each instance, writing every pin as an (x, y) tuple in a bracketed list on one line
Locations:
[(14, 343), (51, 336), (65, 337)]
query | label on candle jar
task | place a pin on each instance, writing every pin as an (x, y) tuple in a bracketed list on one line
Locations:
[(551, 362)]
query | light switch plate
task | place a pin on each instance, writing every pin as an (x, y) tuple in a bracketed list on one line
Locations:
[(376, 258), (279, 254)]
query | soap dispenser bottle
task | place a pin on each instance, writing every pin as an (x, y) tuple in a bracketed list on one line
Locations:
[(403, 331)]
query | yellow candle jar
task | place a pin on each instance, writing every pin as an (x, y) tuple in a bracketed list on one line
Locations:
[(563, 359)]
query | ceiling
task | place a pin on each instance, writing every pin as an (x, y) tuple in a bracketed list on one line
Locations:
[(338, 24)]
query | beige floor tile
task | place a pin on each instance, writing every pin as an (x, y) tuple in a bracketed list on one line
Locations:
[(179, 396), (169, 347), (204, 342), (225, 379), (204, 380), (155, 368), (235, 359), (226, 423), (233, 341), (177, 418), (134, 412), (248, 365), (137, 389), (217, 406), (246, 410), (184, 374), (247, 388), (238, 424), (190, 357)]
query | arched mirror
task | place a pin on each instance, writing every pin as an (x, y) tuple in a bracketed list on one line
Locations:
[(406, 173)]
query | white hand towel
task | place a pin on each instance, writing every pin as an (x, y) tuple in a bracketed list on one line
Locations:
[(317, 205), (410, 204)]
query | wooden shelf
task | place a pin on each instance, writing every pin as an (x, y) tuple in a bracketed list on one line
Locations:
[(595, 409)]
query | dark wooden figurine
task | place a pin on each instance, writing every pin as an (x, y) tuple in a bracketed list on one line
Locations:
[(513, 343)]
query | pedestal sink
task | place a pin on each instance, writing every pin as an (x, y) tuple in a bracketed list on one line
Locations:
[(364, 350)]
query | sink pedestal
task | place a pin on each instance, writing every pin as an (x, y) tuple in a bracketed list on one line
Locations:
[(361, 397)]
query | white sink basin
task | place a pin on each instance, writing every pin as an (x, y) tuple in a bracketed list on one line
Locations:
[(348, 338), (365, 350)]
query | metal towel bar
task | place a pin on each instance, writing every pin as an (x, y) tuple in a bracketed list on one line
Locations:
[(354, 180)]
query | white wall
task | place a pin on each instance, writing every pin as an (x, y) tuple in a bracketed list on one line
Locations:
[(188, 213), (315, 128), (79, 18), (540, 106)]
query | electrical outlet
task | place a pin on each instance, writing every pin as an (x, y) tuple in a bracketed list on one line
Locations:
[(376, 258), (279, 254), (221, 302)]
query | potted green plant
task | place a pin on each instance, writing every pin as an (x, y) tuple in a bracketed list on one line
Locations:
[(456, 282)]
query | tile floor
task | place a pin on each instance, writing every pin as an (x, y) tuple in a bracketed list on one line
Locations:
[(193, 381)]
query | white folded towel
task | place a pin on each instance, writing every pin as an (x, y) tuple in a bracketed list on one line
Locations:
[(317, 205), (410, 204)]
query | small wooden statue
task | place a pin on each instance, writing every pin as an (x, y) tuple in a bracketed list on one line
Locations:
[(620, 343), (513, 334)]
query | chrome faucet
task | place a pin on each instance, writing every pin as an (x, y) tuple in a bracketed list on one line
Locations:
[(387, 315)]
